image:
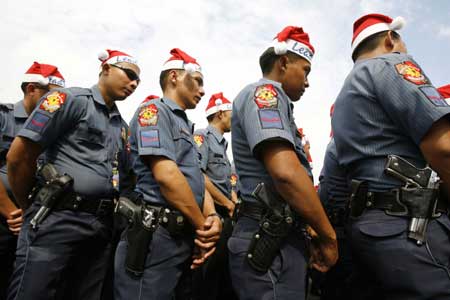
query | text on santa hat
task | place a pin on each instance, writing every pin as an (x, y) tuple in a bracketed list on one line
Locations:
[(301, 50)]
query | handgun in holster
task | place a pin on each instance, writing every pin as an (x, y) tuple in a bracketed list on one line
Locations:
[(50, 193), (419, 194), (357, 201), (143, 222), (274, 226)]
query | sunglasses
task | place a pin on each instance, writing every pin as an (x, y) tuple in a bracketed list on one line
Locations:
[(130, 73)]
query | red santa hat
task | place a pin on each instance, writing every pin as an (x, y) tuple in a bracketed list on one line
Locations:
[(149, 98), (43, 74), (445, 92), (115, 56), (295, 40), (371, 24), (181, 61), (216, 103)]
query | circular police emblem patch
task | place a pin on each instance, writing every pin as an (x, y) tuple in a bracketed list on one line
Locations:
[(53, 101), (411, 72), (233, 180), (199, 139), (266, 96), (148, 115)]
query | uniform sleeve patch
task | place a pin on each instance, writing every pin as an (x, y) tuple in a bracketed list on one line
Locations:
[(150, 138), (270, 119), (266, 96), (199, 139), (233, 180), (148, 115), (38, 122), (53, 101), (433, 95), (411, 72)]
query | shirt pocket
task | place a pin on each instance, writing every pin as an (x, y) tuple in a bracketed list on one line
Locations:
[(217, 165), (186, 153), (92, 143), (383, 229)]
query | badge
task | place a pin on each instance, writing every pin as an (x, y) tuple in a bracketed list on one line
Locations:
[(53, 102), (411, 72), (433, 95), (199, 139), (270, 119), (150, 138), (233, 180), (38, 122), (148, 115), (266, 96)]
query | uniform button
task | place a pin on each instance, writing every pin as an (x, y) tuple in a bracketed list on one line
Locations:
[(266, 224), (257, 236), (250, 255), (369, 204)]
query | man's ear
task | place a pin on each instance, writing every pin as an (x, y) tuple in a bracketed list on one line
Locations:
[(173, 76), (105, 69), (389, 41), (283, 61)]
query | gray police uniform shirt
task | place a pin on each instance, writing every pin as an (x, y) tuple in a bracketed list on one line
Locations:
[(12, 118), (386, 106), (261, 112), (82, 138), (334, 189), (212, 147), (161, 128)]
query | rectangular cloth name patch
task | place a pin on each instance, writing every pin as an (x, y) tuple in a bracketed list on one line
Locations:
[(150, 138), (270, 119), (38, 122), (433, 95)]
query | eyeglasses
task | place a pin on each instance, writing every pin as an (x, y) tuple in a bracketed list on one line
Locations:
[(130, 73)]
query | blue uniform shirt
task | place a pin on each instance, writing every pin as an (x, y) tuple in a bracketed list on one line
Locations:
[(81, 137), (386, 106), (334, 190), (161, 128), (12, 118), (212, 147), (261, 112)]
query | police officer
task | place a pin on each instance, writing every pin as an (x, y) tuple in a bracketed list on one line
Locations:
[(267, 148), (212, 147), (38, 79), (169, 181), (83, 135), (388, 106)]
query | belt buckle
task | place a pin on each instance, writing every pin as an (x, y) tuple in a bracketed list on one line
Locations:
[(399, 202), (103, 207)]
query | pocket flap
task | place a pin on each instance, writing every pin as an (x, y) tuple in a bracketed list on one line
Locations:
[(383, 229)]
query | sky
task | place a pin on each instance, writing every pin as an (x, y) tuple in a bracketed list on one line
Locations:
[(226, 37)]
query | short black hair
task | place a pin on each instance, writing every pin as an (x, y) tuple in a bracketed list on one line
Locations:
[(163, 79), (268, 58), (211, 117), (371, 43), (24, 85)]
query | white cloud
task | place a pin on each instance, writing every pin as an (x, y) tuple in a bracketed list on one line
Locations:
[(226, 37)]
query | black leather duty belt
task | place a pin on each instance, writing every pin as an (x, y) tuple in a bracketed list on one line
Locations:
[(96, 206)]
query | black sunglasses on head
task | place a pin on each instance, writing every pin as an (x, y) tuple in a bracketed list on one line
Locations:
[(130, 73)]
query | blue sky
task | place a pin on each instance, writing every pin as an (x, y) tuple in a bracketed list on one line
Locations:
[(225, 36)]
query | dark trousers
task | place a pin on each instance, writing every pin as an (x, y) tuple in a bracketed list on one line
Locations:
[(285, 279), (8, 244), (167, 259), (65, 258), (399, 267)]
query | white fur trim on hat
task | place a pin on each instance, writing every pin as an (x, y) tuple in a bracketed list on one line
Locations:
[(180, 65), (221, 107), (121, 58), (35, 78), (397, 24), (293, 46), (56, 81), (103, 55)]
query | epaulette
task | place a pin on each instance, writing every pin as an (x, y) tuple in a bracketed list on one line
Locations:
[(78, 91), (6, 106)]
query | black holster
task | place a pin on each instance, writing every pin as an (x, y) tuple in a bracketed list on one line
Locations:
[(357, 202), (267, 241), (139, 238)]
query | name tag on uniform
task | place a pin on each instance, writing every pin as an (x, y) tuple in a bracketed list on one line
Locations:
[(150, 138), (270, 119)]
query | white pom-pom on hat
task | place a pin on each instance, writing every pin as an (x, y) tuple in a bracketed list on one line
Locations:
[(218, 102), (190, 68), (397, 24), (280, 48), (103, 55)]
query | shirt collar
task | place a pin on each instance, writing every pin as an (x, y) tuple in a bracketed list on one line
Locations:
[(219, 137), (19, 110), (268, 81), (114, 111), (176, 108)]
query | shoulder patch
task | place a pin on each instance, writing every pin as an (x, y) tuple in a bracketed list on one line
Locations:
[(199, 139), (38, 122), (53, 101), (411, 72), (233, 180), (148, 115), (266, 96), (433, 95), (270, 119), (150, 138)]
